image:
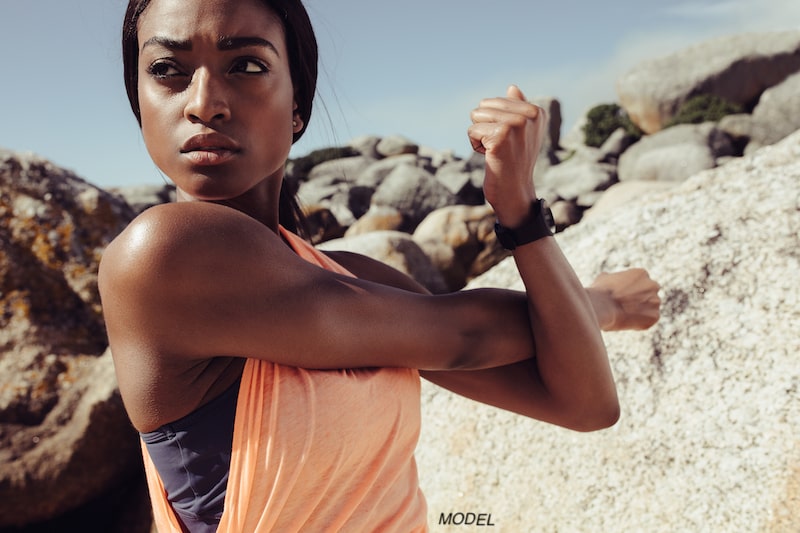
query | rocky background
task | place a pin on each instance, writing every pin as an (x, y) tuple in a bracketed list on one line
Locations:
[(694, 174)]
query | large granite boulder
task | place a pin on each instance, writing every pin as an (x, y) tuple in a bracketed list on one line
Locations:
[(625, 195), (709, 438), (675, 153), (737, 68), (777, 114), (65, 439)]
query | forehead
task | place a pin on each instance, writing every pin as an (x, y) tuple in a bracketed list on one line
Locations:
[(191, 20)]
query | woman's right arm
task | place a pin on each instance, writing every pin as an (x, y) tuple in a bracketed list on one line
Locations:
[(196, 280)]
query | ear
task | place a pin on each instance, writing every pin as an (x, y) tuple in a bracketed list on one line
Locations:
[(297, 122)]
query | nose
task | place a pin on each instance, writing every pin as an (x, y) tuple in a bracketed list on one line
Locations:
[(207, 101)]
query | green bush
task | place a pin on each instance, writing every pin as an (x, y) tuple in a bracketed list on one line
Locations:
[(703, 108), (603, 120)]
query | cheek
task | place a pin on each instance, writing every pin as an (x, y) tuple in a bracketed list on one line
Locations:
[(154, 127)]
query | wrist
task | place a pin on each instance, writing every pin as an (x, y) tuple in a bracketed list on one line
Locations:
[(604, 307), (536, 224)]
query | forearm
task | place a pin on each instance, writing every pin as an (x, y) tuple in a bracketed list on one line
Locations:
[(571, 357)]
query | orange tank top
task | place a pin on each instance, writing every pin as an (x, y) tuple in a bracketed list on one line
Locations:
[(318, 450)]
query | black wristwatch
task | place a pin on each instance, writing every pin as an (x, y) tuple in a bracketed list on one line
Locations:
[(538, 225)]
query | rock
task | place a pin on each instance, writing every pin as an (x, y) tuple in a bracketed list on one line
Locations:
[(675, 153), (64, 435), (396, 145), (366, 145), (625, 194), (374, 174), (575, 137), (460, 241), (140, 197), (669, 163), (82, 449), (396, 249), (414, 192), (464, 180), (709, 438), (615, 145), (553, 109), (54, 227), (565, 214), (322, 224), (776, 115), (587, 200), (378, 218), (437, 158), (737, 68), (576, 176), (333, 185), (739, 129), (341, 170)]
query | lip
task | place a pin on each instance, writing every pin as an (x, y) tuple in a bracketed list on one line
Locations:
[(210, 149)]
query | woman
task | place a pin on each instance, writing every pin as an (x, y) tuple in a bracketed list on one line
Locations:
[(276, 388)]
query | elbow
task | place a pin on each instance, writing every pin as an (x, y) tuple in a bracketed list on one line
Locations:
[(601, 415), (604, 420)]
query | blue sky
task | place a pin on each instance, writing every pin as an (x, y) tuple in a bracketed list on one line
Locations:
[(414, 68)]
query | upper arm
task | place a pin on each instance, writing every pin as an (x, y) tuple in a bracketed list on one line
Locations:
[(200, 281)]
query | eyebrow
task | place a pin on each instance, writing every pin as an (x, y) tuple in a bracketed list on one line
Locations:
[(224, 43), (233, 43), (166, 42)]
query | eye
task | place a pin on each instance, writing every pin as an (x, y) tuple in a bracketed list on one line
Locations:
[(163, 69), (249, 66)]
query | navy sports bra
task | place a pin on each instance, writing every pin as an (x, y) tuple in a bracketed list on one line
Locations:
[(193, 465)]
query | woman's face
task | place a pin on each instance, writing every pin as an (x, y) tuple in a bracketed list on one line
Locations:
[(216, 95)]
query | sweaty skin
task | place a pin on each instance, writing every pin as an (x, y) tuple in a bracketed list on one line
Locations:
[(193, 288)]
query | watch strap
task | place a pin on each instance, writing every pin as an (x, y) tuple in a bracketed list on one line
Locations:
[(537, 225)]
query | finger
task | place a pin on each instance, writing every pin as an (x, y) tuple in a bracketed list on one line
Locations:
[(512, 106), (515, 93), (490, 135), (479, 133), (500, 116), (477, 146), (475, 139)]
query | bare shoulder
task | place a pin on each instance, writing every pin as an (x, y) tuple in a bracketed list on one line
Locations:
[(172, 262), (173, 228), (160, 251)]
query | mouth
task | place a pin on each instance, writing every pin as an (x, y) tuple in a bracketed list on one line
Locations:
[(210, 149)]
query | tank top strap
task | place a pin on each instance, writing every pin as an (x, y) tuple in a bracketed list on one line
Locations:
[(311, 254)]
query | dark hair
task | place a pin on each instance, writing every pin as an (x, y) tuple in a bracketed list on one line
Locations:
[(301, 45)]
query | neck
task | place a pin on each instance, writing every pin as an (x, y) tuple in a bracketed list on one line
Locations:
[(260, 202)]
